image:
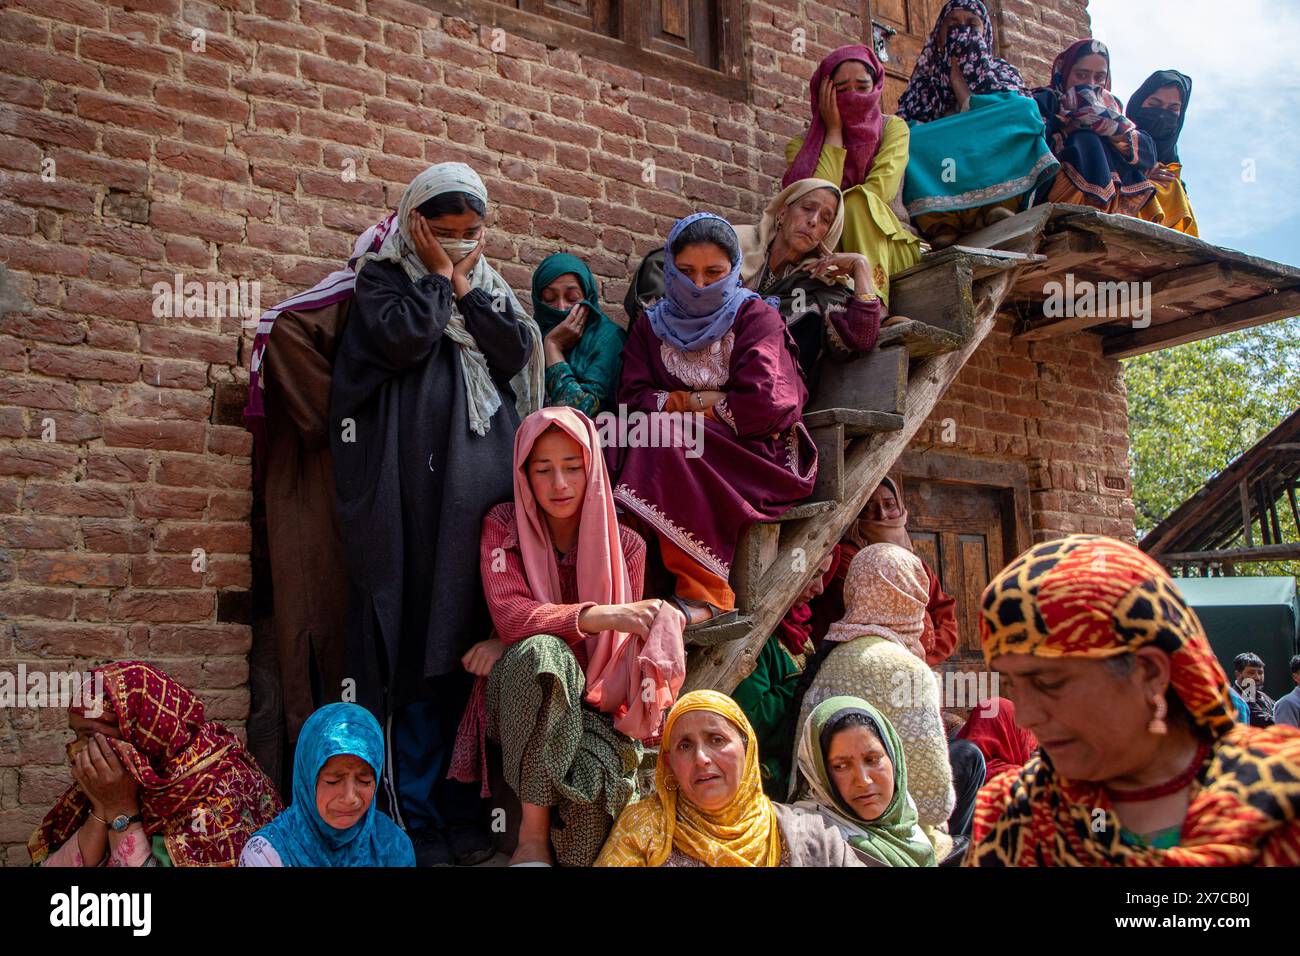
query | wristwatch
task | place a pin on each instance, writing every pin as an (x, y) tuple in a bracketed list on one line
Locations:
[(122, 821)]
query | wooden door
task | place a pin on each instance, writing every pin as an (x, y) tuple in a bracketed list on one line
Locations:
[(958, 530)]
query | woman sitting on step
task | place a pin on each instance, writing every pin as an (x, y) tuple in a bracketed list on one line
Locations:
[(1105, 158), (851, 143), (737, 452), (580, 667), (827, 298), (709, 809), (875, 653), (977, 150), (853, 772), (1159, 108)]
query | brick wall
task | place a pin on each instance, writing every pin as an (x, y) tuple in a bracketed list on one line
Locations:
[(121, 450)]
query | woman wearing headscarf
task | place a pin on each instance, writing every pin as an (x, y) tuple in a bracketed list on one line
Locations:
[(851, 143), (852, 770), (874, 652), (1105, 158), (884, 521), (709, 809), (581, 668), (827, 298), (155, 783), (992, 728), (716, 351), (646, 287), (582, 347), (1159, 108), (287, 412), (768, 694), (1141, 761), (333, 820), (422, 423), (978, 149)]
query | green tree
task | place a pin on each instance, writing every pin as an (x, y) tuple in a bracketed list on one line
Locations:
[(1196, 407)]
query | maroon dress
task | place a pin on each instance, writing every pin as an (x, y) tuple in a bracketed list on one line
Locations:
[(757, 461)]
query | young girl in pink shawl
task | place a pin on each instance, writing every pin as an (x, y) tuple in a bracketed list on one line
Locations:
[(579, 668)]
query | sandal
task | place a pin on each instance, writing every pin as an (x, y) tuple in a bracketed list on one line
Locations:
[(718, 616), (944, 238)]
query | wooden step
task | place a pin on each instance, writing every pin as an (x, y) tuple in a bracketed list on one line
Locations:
[(830, 441), (875, 381), (920, 340), (721, 633), (857, 422), (755, 552)]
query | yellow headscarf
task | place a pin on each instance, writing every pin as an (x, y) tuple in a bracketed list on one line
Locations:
[(743, 833)]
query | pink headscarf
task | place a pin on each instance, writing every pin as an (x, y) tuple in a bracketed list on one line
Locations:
[(885, 594), (634, 679), (864, 123)]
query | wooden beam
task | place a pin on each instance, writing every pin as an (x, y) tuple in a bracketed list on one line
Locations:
[(1271, 552), (1245, 511), (1241, 315), (722, 668)]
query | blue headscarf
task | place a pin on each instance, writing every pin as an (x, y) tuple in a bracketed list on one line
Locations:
[(300, 835), (690, 317)]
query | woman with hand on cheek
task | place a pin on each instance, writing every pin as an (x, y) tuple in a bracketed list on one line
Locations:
[(583, 349), (333, 820), (154, 782)]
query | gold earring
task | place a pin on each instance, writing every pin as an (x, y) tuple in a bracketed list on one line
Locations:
[(670, 784), (1158, 725)]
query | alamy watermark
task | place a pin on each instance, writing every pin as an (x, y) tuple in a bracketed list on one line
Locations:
[(62, 689), (1098, 300), (636, 429), (194, 299)]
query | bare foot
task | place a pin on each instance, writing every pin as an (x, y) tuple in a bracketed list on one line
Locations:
[(533, 851)]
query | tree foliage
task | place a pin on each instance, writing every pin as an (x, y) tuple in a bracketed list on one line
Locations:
[(1196, 407)]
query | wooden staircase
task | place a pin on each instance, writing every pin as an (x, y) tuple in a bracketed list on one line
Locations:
[(862, 418)]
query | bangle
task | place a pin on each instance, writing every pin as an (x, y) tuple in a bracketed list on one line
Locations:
[(866, 297), (99, 818), (695, 397)]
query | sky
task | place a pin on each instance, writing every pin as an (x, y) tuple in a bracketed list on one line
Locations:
[(1245, 108)]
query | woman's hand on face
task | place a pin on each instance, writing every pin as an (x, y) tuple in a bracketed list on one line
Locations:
[(1163, 175), (431, 253), (568, 331), (829, 107), (105, 781), (462, 269), (480, 658)]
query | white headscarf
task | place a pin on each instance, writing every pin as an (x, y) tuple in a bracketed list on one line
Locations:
[(399, 247)]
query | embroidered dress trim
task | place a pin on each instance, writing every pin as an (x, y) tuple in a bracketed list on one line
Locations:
[(975, 198), (703, 369), (792, 451), (681, 537), (724, 415)]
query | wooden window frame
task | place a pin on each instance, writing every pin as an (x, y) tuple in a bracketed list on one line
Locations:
[(632, 49)]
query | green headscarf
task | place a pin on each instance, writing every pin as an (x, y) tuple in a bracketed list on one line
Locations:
[(597, 360), (894, 838)]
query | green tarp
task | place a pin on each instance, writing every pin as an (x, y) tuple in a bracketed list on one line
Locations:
[(1249, 614)]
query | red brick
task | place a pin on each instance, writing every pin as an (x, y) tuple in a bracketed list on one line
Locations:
[(213, 537), (51, 603), (30, 532), (169, 436), (200, 640), (80, 498), (151, 571), (85, 363), (114, 537), (66, 639), (152, 501), (83, 570), (162, 606)]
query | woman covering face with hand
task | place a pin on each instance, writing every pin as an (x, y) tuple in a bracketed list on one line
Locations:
[(708, 808), (333, 820), (154, 782)]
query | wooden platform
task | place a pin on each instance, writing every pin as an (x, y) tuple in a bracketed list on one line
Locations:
[(1196, 290)]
